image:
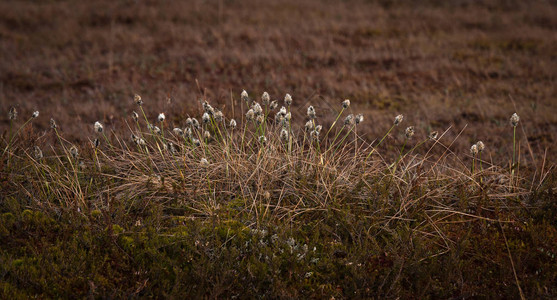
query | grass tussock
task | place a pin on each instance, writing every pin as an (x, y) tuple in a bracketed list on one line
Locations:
[(264, 203)]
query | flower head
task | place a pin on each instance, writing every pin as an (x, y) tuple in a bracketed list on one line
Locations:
[(260, 119), (189, 122), (309, 125), (349, 119), (245, 96), (481, 146), (204, 162), (35, 114), (311, 112), (12, 114), (284, 135), (514, 120), (345, 104), (98, 127), (195, 123), (52, 124), (250, 115), (178, 131), (233, 124), (135, 116), (187, 132), (161, 117), (282, 111), (288, 100), (208, 108), (96, 143), (38, 153), (207, 135), (74, 152), (273, 105), (318, 129), (359, 119), (137, 99), (219, 116), (206, 118), (409, 132), (257, 109), (157, 130), (265, 98), (263, 140), (398, 119), (474, 150), (433, 135), (196, 142)]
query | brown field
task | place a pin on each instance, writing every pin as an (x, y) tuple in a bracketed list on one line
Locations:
[(440, 64)]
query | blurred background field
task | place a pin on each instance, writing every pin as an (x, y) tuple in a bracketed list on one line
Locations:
[(440, 63)]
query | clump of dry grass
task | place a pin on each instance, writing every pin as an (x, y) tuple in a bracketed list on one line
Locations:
[(274, 168)]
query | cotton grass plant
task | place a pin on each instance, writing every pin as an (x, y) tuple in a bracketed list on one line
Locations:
[(270, 169)]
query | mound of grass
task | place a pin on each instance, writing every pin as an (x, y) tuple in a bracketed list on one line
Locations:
[(270, 206)]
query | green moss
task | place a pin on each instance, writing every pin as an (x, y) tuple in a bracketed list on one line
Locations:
[(95, 213)]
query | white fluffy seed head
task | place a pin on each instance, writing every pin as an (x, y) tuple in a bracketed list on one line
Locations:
[(207, 135), (208, 108), (206, 118), (219, 116), (12, 114), (204, 162), (257, 109), (250, 115), (244, 96), (263, 140), (52, 124), (481, 146), (409, 132), (98, 127), (96, 143), (309, 126), (35, 114), (137, 99), (345, 104), (135, 116), (514, 120), (288, 100), (359, 119), (177, 131), (196, 142), (433, 135), (156, 130), (189, 122), (260, 119), (195, 123), (349, 119), (74, 152), (233, 124), (282, 111), (161, 117), (311, 112), (38, 153), (265, 98), (273, 105), (284, 135), (398, 119), (318, 129), (474, 150)]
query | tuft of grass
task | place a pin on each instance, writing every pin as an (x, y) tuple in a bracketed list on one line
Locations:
[(209, 211)]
